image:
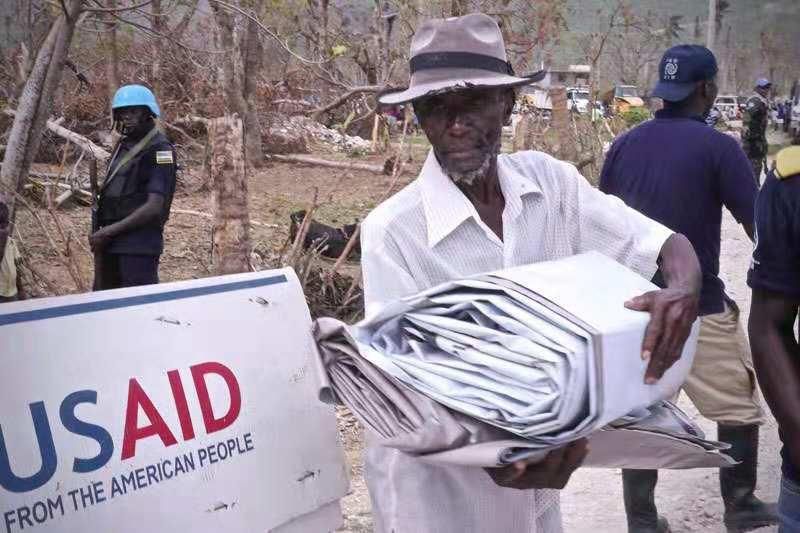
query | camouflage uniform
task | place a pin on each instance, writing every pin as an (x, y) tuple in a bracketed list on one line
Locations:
[(754, 134)]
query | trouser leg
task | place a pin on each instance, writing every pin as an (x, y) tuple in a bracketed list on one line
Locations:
[(136, 270), (757, 164), (789, 506), (106, 272), (638, 490), (743, 510), (722, 385)]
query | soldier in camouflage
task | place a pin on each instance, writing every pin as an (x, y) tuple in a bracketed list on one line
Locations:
[(754, 134)]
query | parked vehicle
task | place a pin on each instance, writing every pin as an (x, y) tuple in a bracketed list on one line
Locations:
[(578, 99), (622, 98), (728, 106)]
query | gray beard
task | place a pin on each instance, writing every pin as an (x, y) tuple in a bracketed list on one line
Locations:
[(470, 177)]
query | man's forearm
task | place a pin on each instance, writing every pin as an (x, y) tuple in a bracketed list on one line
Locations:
[(776, 356), (679, 264), (750, 230), (143, 215)]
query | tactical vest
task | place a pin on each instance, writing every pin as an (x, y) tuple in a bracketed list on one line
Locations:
[(755, 124), (119, 196)]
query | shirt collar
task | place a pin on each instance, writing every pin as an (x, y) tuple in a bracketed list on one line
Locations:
[(446, 207), (667, 113)]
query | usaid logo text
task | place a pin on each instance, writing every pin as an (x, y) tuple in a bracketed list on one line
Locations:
[(132, 432)]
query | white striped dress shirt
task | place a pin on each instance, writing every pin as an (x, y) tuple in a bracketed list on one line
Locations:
[(429, 233)]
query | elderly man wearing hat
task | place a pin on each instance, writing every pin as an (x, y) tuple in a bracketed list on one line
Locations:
[(678, 171), (754, 134), (473, 210)]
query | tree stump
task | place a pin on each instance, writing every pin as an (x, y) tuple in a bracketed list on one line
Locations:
[(561, 121), (230, 234)]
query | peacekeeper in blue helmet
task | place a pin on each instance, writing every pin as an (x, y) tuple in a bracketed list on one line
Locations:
[(133, 202)]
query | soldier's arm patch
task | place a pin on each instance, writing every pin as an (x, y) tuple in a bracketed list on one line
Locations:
[(164, 157)]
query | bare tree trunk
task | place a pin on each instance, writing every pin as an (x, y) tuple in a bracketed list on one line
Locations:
[(326, 45), (112, 62), (253, 53), (35, 104), (235, 81), (158, 25), (561, 122), (712, 24), (382, 36), (230, 235)]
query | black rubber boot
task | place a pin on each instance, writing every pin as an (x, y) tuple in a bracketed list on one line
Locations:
[(743, 511), (638, 489)]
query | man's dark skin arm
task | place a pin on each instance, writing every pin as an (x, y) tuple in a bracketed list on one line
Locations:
[(4, 226), (145, 214), (672, 310), (750, 230), (776, 355)]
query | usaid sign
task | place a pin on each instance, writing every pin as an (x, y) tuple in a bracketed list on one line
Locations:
[(179, 407)]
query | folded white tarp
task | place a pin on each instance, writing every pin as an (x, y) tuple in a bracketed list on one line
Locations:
[(510, 364)]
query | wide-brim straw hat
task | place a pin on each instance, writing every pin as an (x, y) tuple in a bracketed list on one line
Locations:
[(457, 53)]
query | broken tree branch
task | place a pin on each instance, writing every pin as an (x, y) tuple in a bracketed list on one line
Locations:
[(306, 160), (209, 216), (185, 133), (75, 138), (317, 113)]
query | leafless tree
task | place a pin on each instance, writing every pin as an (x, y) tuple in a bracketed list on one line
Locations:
[(35, 102)]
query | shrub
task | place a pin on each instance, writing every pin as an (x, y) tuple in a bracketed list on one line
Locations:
[(635, 115)]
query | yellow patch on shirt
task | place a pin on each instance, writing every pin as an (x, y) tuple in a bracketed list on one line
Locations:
[(787, 162), (164, 158)]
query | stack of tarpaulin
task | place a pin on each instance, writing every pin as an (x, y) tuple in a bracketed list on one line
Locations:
[(508, 365)]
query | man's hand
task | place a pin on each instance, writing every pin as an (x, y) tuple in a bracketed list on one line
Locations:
[(100, 239), (552, 472), (672, 310), (672, 313), (4, 225)]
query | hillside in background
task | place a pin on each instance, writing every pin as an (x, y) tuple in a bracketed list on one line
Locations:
[(755, 38)]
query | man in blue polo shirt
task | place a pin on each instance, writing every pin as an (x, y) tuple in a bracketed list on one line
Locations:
[(678, 171), (774, 277)]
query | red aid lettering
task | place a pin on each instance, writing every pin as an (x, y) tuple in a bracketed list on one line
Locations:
[(137, 397), (180, 404), (198, 375)]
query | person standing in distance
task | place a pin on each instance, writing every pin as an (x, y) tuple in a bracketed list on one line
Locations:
[(754, 122), (134, 200)]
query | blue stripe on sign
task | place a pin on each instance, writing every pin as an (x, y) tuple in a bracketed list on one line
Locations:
[(117, 303)]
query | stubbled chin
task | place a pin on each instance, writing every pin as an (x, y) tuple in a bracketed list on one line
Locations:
[(470, 176)]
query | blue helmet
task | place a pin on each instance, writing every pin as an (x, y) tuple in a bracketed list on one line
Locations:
[(132, 95)]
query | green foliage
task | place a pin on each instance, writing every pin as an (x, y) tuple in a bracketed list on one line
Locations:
[(635, 115)]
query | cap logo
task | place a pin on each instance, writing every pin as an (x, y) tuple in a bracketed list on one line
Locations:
[(671, 68)]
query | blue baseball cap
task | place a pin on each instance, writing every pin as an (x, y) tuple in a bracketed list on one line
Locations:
[(763, 83), (680, 68)]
